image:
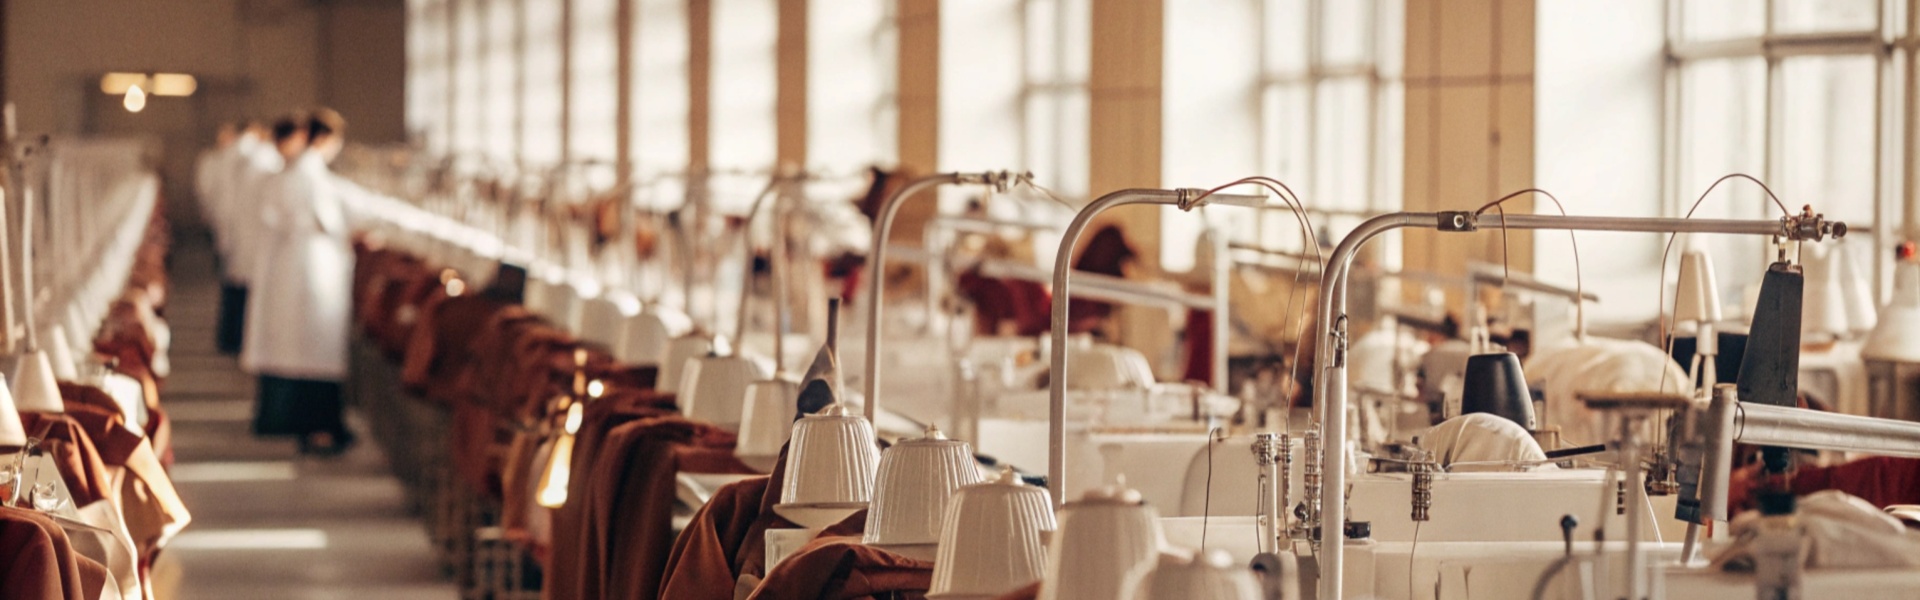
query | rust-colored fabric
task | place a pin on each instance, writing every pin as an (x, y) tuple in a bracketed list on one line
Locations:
[(1880, 480), (725, 539), (565, 577), (441, 345), (1107, 254), (627, 533), (836, 566), (65, 441), (40, 563)]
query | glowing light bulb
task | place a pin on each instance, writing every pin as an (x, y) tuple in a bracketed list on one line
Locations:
[(559, 471), (596, 388), (136, 99)]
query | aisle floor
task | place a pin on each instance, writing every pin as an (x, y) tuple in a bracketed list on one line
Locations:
[(268, 523)]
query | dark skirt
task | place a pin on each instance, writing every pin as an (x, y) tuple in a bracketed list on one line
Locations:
[(231, 330), (298, 407)]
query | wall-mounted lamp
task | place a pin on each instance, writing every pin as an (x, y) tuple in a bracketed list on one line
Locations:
[(136, 87)]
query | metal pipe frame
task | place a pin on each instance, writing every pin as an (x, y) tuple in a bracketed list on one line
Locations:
[(1102, 287), (876, 263), (1186, 199), (1330, 368)]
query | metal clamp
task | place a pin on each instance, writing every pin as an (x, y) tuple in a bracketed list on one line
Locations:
[(1458, 221)]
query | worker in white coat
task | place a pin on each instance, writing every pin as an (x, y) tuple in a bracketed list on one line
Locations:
[(235, 217), (297, 317)]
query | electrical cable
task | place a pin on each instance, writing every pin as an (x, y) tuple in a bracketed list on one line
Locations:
[(1666, 325), (1506, 263), (1206, 504)]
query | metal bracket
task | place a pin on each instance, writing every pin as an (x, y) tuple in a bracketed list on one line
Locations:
[(1457, 220), (1340, 342)]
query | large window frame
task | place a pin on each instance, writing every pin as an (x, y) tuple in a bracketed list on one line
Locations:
[(1055, 101), (1773, 47)]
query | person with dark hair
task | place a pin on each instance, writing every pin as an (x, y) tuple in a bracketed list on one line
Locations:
[(297, 320), (225, 179)]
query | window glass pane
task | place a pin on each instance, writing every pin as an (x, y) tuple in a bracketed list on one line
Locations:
[(1346, 32), (595, 93), (469, 78), (541, 80), (1042, 40), (1723, 130), (503, 81), (1722, 19), (742, 131), (1801, 16), (427, 73), (1343, 135), (1828, 139), (1286, 36), (1285, 117), (660, 88), (847, 84)]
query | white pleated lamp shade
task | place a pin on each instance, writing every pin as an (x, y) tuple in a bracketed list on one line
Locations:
[(767, 420), (1697, 297), (917, 478), (1104, 537), (990, 539), (12, 433), (831, 463), (34, 387), (1896, 337), (1210, 576), (679, 351), (713, 389), (1823, 304)]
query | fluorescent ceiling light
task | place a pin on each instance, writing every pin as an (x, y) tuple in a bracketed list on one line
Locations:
[(156, 84), (250, 539)]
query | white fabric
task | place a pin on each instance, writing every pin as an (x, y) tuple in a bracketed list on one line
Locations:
[(299, 306), (1841, 531), (1477, 441), (1597, 365), (241, 207)]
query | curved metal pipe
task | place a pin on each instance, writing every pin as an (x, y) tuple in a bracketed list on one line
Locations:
[(1330, 366), (877, 273), (1057, 375)]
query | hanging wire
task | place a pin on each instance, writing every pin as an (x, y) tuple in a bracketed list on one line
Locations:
[(1667, 325), (1506, 259), (1305, 221)]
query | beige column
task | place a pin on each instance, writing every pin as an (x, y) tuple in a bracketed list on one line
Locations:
[(790, 98), (699, 74), (918, 77), (1469, 125), (1124, 91)]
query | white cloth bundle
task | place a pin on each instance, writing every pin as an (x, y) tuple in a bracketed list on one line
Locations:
[(1597, 365), (1483, 442), (1840, 531)]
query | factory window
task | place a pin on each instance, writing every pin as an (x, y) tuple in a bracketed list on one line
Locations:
[(1799, 95), (851, 96), (542, 76), (741, 127), (428, 73), (1053, 92), (502, 98), (660, 93), (469, 78), (594, 92), (1321, 110)]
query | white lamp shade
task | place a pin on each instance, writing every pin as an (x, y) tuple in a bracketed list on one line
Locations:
[(1096, 366), (1103, 538), (12, 433), (601, 320), (1856, 285), (990, 539), (767, 419), (917, 478), (1823, 306), (713, 388), (1208, 577), (647, 337), (34, 388), (60, 354), (679, 351), (831, 463), (1897, 335), (1697, 297)]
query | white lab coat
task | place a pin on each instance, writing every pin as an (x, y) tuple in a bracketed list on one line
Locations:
[(299, 308), (241, 207)]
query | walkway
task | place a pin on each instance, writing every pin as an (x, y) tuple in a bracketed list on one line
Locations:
[(268, 523)]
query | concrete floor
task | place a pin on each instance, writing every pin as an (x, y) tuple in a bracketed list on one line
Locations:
[(268, 523)]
